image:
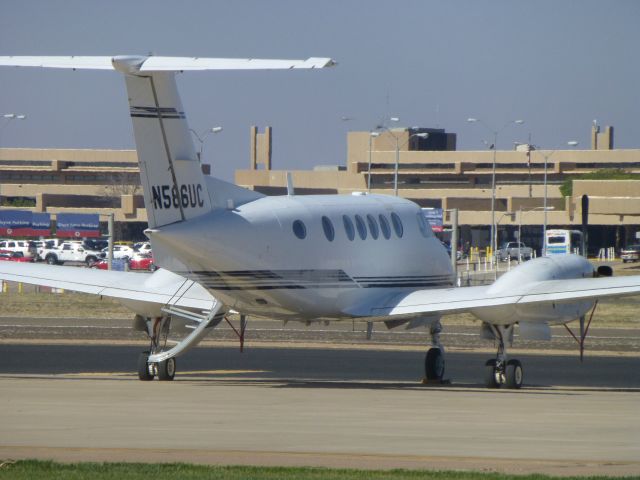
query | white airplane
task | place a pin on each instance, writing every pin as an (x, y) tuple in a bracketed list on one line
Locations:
[(305, 258)]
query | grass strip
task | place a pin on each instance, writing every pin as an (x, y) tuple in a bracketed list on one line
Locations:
[(36, 469)]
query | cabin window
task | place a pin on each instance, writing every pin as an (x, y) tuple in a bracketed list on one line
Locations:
[(397, 224), (348, 227), (373, 226), (299, 230), (327, 226), (422, 224), (384, 226), (362, 228)]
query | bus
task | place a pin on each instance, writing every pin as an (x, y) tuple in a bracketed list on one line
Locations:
[(562, 242)]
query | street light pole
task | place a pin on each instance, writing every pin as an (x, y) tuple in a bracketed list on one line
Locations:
[(9, 117), (520, 224), (202, 137), (371, 136), (494, 235), (544, 225)]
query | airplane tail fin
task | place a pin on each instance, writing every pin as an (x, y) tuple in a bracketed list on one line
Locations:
[(170, 172), (174, 186)]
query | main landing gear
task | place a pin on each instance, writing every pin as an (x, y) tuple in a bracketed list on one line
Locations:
[(165, 370), (500, 371), (160, 361), (434, 360)]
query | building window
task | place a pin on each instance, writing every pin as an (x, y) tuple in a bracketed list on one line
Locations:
[(373, 226), (362, 228), (397, 224), (384, 226), (348, 227), (299, 229), (327, 226)]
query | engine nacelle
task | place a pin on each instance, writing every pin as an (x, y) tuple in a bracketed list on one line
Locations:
[(519, 281)]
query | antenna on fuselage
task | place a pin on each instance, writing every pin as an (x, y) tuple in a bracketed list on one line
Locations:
[(290, 190)]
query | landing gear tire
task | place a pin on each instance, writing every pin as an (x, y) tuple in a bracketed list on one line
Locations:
[(167, 369), (490, 379), (143, 367), (434, 364), (514, 374)]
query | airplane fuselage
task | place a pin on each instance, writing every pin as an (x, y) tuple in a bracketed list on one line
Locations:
[(345, 249)]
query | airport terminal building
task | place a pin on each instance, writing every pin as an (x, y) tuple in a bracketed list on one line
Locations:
[(431, 172)]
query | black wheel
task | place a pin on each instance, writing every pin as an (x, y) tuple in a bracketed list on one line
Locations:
[(91, 261), (167, 369), (143, 367), (490, 380), (514, 374), (52, 259), (434, 364)]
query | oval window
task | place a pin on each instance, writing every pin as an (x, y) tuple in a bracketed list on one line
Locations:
[(422, 224), (397, 224), (327, 226), (362, 228), (384, 226), (348, 227), (373, 226), (299, 230)]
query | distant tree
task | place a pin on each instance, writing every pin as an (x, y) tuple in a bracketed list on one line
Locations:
[(566, 189)]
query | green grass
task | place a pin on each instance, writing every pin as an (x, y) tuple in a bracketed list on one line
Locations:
[(31, 469)]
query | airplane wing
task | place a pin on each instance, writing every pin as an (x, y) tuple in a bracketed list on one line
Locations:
[(148, 291), (466, 299)]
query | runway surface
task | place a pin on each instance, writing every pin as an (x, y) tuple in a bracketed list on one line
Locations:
[(320, 406)]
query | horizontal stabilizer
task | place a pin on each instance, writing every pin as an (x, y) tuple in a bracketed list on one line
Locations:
[(143, 63)]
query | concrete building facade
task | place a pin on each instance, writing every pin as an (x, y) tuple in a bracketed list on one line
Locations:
[(448, 179), (430, 172)]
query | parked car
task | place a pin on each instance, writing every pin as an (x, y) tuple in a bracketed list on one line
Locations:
[(142, 247), (95, 244), (142, 261), (120, 252), (117, 265), (631, 253), (17, 246), (9, 256), (512, 250), (70, 252)]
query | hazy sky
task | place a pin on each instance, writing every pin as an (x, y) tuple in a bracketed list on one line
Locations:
[(556, 64)]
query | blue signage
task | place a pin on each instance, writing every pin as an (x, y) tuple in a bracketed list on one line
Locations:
[(78, 225)]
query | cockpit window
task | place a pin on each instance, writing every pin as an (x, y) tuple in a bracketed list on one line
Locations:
[(327, 226), (384, 226), (362, 228), (348, 227), (373, 226), (397, 224), (299, 229)]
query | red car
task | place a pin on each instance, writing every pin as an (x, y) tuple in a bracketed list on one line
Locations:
[(9, 256), (101, 264), (142, 261)]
